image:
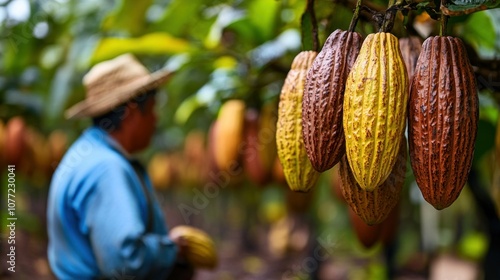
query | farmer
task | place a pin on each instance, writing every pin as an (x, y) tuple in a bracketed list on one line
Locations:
[(103, 218)]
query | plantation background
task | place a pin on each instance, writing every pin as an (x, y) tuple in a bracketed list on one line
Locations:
[(239, 49)]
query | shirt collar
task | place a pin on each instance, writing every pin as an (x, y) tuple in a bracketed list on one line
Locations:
[(112, 142)]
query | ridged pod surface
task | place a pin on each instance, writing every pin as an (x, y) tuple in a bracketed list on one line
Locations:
[(410, 50), (375, 103), (443, 118), (299, 173), (200, 251), (322, 106), (374, 207)]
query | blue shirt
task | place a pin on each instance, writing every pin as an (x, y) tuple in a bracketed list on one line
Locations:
[(98, 213)]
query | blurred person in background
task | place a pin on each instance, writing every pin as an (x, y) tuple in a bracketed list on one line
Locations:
[(104, 221)]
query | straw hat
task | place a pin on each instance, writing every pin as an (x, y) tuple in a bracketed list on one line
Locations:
[(112, 83)]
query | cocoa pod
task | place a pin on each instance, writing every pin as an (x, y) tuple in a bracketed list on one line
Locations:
[(336, 184), (370, 235), (375, 102), (390, 226), (410, 50), (366, 234), (278, 174), (259, 144), (229, 133), (15, 141), (161, 171), (322, 106), (443, 119), (299, 173), (298, 202), (58, 143), (373, 207)]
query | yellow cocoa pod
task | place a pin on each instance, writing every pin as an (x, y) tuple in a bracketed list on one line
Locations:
[(299, 173), (200, 251), (229, 134), (375, 102)]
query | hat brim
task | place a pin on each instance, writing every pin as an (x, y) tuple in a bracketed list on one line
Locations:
[(117, 96)]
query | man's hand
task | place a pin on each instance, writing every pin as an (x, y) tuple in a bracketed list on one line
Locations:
[(182, 246)]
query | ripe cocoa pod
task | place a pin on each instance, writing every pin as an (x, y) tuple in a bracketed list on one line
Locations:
[(229, 133), (322, 106), (299, 173), (373, 207), (410, 50), (443, 119), (375, 102)]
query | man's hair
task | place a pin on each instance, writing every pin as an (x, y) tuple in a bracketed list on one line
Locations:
[(112, 120)]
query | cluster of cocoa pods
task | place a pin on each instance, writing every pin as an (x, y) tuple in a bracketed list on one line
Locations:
[(240, 144), (32, 153), (350, 104)]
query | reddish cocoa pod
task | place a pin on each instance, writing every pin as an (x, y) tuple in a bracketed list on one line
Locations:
[(298, 202), (443, 119), (278, 173), (322, 105), (390, 226), (259, 146), (15, 141), (373, 207), (410, 50), (336, 184), (367, 235)]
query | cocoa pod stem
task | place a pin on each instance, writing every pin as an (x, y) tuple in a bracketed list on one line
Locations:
[(355, 17)]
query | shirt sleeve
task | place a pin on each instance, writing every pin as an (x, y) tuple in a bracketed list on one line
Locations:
[(117, 231)]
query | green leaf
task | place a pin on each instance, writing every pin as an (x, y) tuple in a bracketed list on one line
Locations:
[(178, 16), (150, 44), (263, 13), (128, 16), (459, 7), (480, 32)]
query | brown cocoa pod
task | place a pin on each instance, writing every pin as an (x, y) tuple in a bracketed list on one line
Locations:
[(299, 173), (373, 207), (443, 119), (322, 106), (375, 104), (410, 50)]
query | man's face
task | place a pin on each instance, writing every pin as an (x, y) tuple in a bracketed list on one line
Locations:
[(144, 124)]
